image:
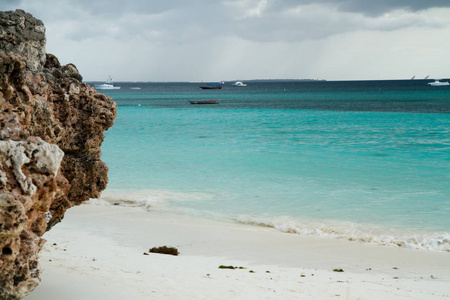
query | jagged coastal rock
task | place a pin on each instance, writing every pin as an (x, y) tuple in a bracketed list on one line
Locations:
[(51, 130)]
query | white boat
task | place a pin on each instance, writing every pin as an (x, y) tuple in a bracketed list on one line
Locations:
[(239, 83), (438, 83), (107, 86)]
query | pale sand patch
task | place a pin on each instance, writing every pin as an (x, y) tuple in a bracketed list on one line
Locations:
[(99, 255)]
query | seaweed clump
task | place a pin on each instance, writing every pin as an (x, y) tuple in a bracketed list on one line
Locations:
[(227, 267), (165, 250), (231, 267)]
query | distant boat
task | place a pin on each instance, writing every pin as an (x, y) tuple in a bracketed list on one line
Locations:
[(135, 88), (204, 101), (239, 83), (438, 83), (107, 86), (212, 86)]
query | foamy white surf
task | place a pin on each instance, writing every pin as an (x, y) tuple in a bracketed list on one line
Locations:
[(371, 234), (144, 199), (156, 200)]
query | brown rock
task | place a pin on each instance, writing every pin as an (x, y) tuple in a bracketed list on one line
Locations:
[(51, 130)]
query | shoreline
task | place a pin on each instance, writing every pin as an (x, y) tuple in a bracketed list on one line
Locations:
[(98, 251), (369, 233)]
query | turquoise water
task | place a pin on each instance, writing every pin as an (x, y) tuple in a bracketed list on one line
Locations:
[(359, 160)]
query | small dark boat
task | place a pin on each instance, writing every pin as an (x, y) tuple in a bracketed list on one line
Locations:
[(204, 101), (212, 86)]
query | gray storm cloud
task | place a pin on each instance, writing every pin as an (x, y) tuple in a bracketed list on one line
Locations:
[(367, 7), (201, 39), (256, 20)]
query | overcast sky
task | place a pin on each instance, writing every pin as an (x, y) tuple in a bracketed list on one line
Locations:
[(209, 40)]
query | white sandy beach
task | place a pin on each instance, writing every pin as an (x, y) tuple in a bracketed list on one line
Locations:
[(97, 253)]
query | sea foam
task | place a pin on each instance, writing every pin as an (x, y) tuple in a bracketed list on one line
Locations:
[(158, 200), (144, 199), (371, 234)]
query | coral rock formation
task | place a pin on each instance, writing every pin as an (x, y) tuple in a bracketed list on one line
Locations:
[(51, 130)]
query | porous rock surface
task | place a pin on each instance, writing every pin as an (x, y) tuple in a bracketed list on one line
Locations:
[(51, 130)]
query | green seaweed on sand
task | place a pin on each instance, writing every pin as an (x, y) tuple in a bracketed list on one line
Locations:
[(165, 250), (338, 270), (231, 267), (226, 267)]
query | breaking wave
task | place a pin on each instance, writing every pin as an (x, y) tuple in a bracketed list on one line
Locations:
[(436, 241), (155, 200)]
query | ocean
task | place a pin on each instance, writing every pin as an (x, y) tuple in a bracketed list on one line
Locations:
[(367, 161)]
